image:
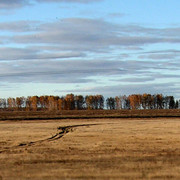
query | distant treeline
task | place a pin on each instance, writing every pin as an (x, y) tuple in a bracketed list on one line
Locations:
[(90, 102)]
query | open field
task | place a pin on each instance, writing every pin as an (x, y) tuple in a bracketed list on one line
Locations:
[(86, 114), (90, 149)]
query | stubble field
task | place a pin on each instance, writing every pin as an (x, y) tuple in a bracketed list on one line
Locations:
[(90, 149)]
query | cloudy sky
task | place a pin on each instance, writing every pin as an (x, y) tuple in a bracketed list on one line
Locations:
[(109, 47)]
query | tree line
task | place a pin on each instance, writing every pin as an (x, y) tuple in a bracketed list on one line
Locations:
[(89, 102)]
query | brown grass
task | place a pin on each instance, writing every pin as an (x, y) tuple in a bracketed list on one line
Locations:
[(86, 114), (90, 149)]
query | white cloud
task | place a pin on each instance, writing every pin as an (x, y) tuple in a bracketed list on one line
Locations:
[(87, 34), (14, 4), (82, 39)]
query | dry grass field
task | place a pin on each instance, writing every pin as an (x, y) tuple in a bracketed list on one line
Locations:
[(90, 149), (87, 114)]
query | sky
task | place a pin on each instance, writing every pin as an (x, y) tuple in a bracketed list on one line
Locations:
[(109, 47)]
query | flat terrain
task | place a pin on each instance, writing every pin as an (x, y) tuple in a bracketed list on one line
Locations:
[(87, 114), (90, 149)]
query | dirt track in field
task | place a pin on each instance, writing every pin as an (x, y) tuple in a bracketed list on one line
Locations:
[(90, 149), (61, 132)]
